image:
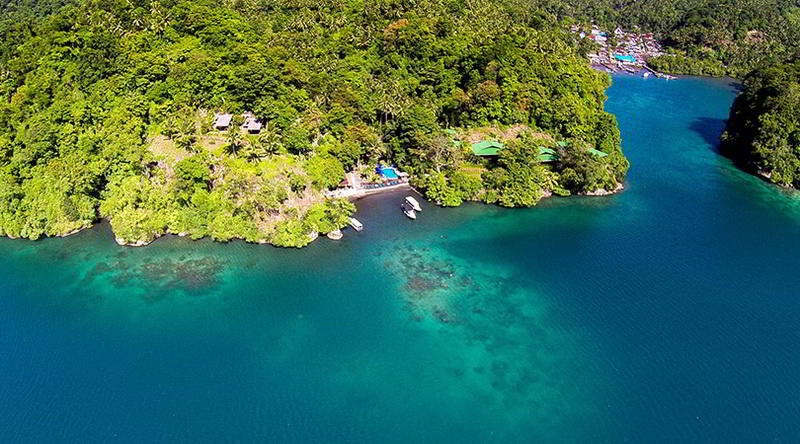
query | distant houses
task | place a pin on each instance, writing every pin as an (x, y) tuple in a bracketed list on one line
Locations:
[(222, 122), (629, 52)]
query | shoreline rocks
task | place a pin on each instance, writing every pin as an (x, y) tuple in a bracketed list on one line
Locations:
[(140, 243), (603, 192), (75, 231)]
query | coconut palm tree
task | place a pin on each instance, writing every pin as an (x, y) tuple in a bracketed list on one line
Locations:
[(234, 139), (185, 136), (269, 140)]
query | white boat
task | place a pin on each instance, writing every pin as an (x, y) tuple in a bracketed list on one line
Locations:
[(413, 202), (335, 235), (409, 211), (356, 224)]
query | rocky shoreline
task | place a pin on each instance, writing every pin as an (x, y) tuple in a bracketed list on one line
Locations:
[(313, 236), (604, 192)]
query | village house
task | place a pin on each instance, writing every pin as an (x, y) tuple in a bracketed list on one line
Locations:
[(252, 125), (222, 121)]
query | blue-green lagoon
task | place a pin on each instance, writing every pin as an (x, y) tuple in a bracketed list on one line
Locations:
[(666, 313)]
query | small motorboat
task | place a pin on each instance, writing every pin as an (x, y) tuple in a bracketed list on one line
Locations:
[(413, 202), (335, 235), (358, 226), (408, 210)]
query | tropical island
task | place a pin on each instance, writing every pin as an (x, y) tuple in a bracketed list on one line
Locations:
[(237, 120), (763, 132)]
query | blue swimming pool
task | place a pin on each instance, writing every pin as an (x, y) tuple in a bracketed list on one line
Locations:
[(389, 173), (625, 58)]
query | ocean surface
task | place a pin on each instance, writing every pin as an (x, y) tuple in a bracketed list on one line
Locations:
[(667, 313)]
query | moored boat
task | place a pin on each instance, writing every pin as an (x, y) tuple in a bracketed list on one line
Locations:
[(335, 235), (408, 210), (358, 226), (413, 202)]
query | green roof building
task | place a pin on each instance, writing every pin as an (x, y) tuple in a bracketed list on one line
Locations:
[(546, 158), (493, 148), (547, 155), (597, 153), (487, 148)]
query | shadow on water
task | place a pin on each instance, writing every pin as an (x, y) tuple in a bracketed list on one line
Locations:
[(710, 130)]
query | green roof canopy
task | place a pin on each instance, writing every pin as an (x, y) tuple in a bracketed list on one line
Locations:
[(487, 148), (546, 158), (493, 148), (547, 155), (597, 153)]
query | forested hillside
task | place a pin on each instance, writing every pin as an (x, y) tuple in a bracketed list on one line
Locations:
[(763, 133), (107, 110), (716, 37)]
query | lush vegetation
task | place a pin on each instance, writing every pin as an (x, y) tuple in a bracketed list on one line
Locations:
[(517, 178), (108, 105), (714, 37), (763, 133)]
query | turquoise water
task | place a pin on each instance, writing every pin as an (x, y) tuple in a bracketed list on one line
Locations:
[(667, 313)]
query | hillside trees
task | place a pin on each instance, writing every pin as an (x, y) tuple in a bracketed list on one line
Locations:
[(107, 107), (763, 132)]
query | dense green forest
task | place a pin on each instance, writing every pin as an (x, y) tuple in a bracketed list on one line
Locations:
[(707, 37), (763, 132), (108, 107)]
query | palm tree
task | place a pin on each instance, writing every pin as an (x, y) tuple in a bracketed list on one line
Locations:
[(234, 139), (270, 141), (185, 134), (253, 147)]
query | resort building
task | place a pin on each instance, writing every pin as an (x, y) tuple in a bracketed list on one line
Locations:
[(222, 121), (492, 148), (487, 148), (252, 125)]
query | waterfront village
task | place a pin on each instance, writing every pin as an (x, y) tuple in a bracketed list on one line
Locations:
[(622, 52)]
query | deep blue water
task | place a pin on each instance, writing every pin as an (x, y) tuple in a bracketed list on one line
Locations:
[(666, 313)]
